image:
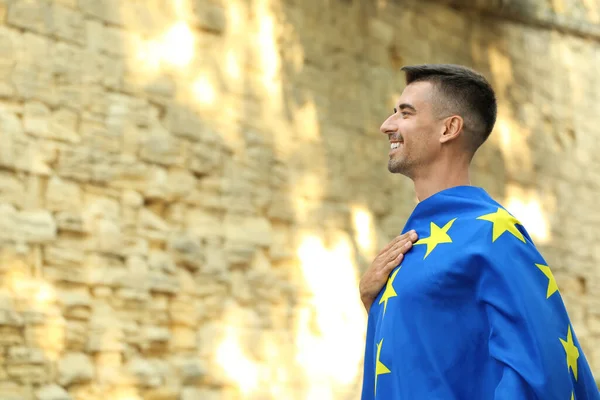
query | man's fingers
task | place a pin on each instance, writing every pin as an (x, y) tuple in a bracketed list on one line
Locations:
[(403, 246), (391, 254), (390, 244), (394, 263), (410, 235), (397, 255)]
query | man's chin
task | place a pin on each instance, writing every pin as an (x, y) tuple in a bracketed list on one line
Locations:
[(395, 168)]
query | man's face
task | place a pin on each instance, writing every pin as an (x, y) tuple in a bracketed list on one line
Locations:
[(413, 130)]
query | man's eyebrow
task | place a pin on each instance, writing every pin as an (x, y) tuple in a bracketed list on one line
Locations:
[(404, 106)]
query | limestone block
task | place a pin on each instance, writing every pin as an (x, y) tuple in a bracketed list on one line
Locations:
[(193, 393), (161, 261), (181, 184), (14, 391), (149, 221), (68, 24), (144, 373), (67, 63), (62, 195), (161, 148), (104, 10), (70, 221), (187, 251), (247, 229), (107, 237), (281, 207), (25, 355), (131, 198), (160, 282), (29, 373), (62, 126), (281, 248), (184, 338), (76, 302), (47, 19), (52, 392), (238, 252), (32, 81), (209, 16), (240, 288), (75, 368), (105, 334), (27, 226), (203, 224), (32, 15), (184, 122), (205, 158), (85, 164), (12, 190), (162, 86), (18, 151), (10, 318), (11, 333), (190, 369), (162, 393), (76, 335)]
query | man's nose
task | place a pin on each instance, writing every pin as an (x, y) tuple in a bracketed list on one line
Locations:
[(388, 127)]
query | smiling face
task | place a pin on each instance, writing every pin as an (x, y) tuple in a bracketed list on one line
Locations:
[(413, 130)]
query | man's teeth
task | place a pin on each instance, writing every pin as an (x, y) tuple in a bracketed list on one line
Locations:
[(395, 145)]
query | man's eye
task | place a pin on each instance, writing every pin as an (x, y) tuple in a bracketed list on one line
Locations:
[(395, 110)]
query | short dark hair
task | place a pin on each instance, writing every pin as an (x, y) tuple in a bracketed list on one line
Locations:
[(465, 92)]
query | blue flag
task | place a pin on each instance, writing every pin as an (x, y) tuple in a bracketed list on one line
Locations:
[(472, 313)]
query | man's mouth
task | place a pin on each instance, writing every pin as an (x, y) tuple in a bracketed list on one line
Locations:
[(394, 144)]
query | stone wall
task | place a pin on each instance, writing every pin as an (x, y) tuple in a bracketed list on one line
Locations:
[(190, 190)]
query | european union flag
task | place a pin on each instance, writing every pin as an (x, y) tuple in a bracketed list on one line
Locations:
[(473, 312)]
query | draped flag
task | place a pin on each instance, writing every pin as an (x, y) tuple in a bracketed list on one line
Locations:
[(472, 313)]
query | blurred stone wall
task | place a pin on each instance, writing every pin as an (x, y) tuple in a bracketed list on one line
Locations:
[(190, 190)]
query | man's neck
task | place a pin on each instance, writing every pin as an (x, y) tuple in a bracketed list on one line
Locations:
[(438, 179)]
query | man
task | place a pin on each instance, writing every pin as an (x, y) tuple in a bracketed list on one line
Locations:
[(473, 311)]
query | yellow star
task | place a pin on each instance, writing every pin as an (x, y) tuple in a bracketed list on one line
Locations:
[(503, 222), (380, 369), (438, 235), (389, 291), (572, 395), (552, 286), (572, 352)]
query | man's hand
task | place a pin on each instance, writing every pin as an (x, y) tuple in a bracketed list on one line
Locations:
[(388, 258)]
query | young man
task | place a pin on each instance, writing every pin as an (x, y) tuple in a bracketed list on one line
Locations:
[(473, 310)]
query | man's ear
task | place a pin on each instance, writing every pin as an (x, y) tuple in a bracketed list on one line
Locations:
[(453, 127)]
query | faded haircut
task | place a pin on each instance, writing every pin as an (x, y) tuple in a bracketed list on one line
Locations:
[(462, 91)]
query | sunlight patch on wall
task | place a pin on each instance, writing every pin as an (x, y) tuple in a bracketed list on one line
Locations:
[(527, 207), (364, 230), (125, 393), (331, 328), (36, 295), (175, 48), (306, 122), (203, 90), (236, 364), (230, 356), (501, 66), (232, 65), (306, 194), (268, 47), (26, 287), (512, 141)]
